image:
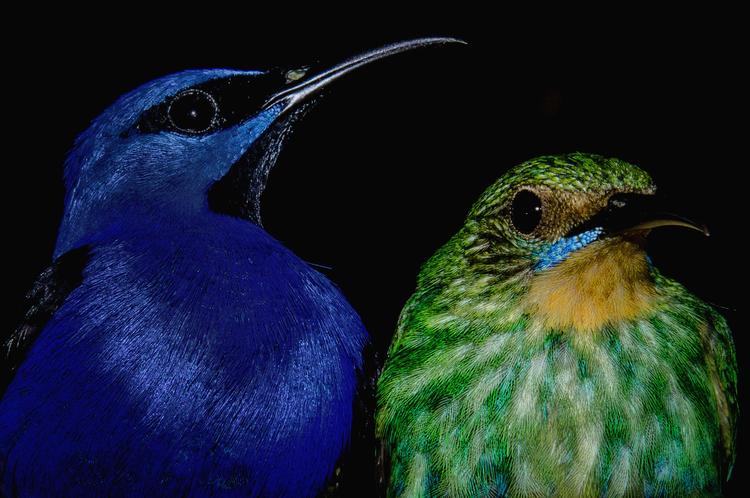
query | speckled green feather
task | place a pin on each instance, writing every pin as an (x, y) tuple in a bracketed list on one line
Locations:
[(479, 397)]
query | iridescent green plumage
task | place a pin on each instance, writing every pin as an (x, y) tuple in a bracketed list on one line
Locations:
[(488, 391)]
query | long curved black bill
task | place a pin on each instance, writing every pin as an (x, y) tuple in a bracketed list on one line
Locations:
[(238, 192), (292, 96)]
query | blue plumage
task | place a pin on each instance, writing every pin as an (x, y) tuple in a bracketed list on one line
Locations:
[(116, 173), (174, 348), (198, 355), (211, 362)]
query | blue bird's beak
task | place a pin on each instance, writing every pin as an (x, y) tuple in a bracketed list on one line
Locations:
[(305, 87), (238, 192)]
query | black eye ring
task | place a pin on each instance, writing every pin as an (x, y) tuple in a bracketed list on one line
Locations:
[(526, 211), (193, 111)]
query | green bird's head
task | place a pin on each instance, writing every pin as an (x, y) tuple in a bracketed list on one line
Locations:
[(570, 231)]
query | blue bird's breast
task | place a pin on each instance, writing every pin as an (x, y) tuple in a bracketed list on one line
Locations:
[(199, 360)]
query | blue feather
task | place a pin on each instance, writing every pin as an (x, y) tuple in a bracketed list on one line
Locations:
[(212, 361), (199, 356)]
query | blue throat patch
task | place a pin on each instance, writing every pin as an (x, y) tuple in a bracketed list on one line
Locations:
[(561, 249)]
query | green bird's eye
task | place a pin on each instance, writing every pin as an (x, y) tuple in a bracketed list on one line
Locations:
[(526, 211), (193, 111)]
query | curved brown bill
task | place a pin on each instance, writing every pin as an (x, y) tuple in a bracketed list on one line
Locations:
[(636, 212)]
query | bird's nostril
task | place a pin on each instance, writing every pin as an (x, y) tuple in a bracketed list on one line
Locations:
[(619, 200), (295, 74)]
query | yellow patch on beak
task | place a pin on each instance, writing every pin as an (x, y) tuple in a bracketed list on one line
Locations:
[(605, 282)]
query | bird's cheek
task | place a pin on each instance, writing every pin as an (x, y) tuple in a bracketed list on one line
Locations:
[(229, 146)]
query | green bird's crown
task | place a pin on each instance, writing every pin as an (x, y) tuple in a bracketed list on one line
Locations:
[(542, 354)]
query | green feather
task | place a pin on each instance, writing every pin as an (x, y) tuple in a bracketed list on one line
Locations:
[(476, 399)]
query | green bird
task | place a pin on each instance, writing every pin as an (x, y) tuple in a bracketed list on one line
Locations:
[(543, 354)]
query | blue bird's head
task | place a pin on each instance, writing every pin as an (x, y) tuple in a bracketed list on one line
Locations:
[(188, 143)]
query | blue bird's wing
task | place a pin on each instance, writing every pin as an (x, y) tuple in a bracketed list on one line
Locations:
[(361, 471), (47, 294)]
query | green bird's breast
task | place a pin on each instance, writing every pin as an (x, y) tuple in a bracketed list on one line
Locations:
[(479, 398)]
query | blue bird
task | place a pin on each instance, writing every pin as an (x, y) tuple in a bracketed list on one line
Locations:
[(175, 348)]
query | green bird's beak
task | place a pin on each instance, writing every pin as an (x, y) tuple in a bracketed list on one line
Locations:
[(633, 213)]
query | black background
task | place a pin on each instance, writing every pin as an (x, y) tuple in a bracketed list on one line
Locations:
[(385, 168)]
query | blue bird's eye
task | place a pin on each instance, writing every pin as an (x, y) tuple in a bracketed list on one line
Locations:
[(526, 211), (193, 111)]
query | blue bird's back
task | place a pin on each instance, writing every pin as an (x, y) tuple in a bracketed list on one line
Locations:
[(192, 348)]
